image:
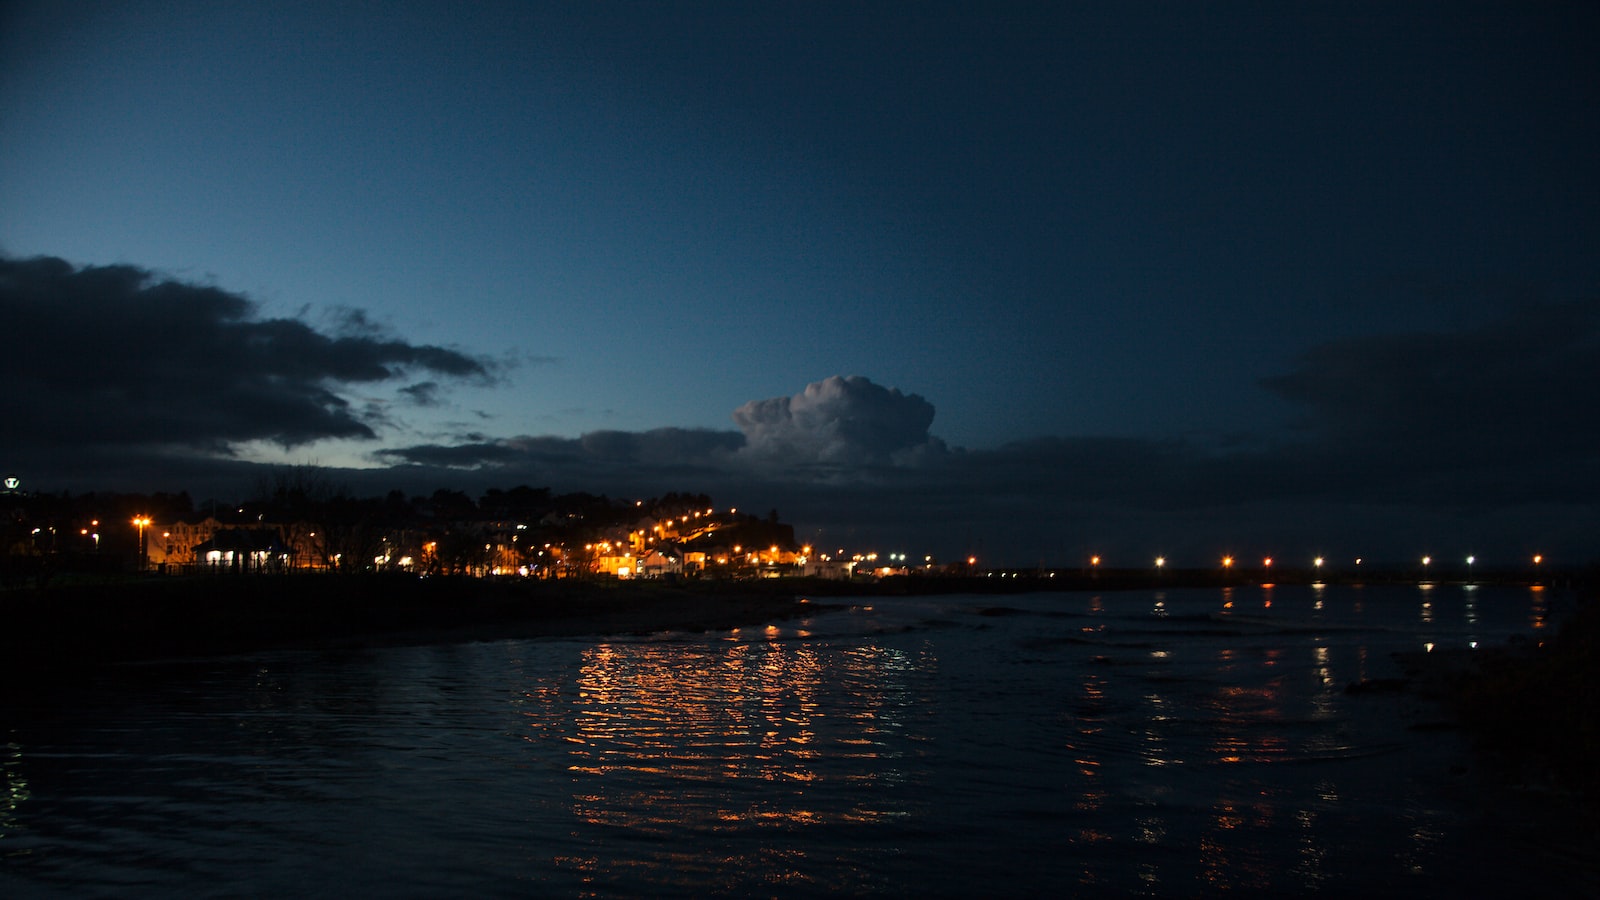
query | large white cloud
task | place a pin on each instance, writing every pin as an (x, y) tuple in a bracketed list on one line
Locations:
[(839, 421)]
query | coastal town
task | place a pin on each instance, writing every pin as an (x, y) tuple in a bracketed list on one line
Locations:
[(295, 522), (296, 525)]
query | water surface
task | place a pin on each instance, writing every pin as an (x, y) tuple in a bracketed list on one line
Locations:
[(1160, 743)]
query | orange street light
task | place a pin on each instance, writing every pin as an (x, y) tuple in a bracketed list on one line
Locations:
[(142, 522)]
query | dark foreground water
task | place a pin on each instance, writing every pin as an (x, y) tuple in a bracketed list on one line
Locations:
[(1177, 743)]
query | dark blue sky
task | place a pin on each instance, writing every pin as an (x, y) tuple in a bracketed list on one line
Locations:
[(1163, 275)]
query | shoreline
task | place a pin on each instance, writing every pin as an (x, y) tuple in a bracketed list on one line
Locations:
[(88, 625), (76, 623)]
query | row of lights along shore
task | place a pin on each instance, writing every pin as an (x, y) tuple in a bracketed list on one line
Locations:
[(1095, 562), (1317, 563)]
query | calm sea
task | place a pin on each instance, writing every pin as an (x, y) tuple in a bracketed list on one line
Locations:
[(1149, 743)]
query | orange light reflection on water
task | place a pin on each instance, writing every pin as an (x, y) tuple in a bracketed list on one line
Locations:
[(663, 742)]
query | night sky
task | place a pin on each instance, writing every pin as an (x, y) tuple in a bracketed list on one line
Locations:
[(1031, 281)]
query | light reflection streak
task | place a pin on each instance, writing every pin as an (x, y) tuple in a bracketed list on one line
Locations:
[(1313, 854), (1089, 726), (14, 792), (1153, 748), (659, 741), (1325, 700), (1228, 864), (1236, 710)]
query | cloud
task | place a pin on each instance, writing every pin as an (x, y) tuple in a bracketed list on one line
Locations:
[(1494, 414), (841, 422), (116, 359), (423, 393), (1483, 392), (611, 457)]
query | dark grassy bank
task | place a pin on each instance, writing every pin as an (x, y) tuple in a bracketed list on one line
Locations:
[(72, 625)]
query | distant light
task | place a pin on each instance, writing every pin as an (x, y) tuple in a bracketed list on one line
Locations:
[(1161, 561), (1426, 560), (1317, 562), (1267, 562), (1227, 562)]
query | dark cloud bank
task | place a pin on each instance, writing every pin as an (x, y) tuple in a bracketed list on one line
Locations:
[(1483, 440)]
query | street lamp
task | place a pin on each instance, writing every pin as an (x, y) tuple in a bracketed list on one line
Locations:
[(1470, 561), (142, 522)]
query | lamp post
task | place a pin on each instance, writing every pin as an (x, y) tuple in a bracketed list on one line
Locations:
[(1470, 561), (142, 522)]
